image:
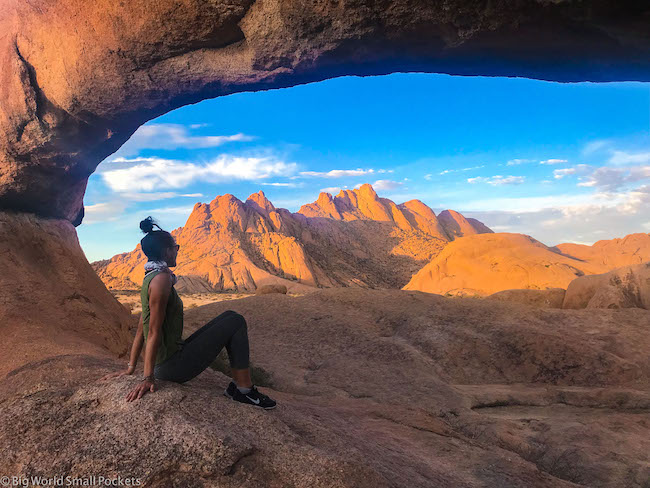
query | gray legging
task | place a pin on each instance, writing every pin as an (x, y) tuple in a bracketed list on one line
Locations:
[(203, 346)]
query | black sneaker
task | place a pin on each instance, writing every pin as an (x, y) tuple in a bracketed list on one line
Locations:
[(230, 391), (253, 397)]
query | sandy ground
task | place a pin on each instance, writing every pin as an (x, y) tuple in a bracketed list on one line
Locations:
[(131, 298)]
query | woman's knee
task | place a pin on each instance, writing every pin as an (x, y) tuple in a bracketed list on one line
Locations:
[(239, 318), (233, 316)]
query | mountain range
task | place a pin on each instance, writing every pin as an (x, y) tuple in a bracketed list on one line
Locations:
[(355, 238)]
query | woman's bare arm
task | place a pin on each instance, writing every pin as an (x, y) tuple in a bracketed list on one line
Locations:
[(136, 348), (159, 290)]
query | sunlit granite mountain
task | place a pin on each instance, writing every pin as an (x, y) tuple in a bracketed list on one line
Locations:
[(355, 238)]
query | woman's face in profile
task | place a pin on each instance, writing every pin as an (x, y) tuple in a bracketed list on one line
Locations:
[(172, 252)]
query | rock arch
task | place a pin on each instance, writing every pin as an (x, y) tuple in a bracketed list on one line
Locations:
[(78, 78)]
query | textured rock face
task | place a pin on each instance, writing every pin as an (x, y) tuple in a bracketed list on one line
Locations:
[(51, 300), (483, 264), (353, 239), (625, 287), (450, 393), (457, 225), (77, 78)]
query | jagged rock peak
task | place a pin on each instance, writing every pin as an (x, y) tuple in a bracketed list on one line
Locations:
[(224, 199), (457, 225), (260, 202)]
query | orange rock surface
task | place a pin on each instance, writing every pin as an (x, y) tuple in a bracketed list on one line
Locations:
[(614, 253), (51, 301), (624, 287), (483, 264)]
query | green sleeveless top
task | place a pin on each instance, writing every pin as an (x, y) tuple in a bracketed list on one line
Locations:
[(172, 326)]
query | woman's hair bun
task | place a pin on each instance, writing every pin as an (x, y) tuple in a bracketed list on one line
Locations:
[(147, 224)]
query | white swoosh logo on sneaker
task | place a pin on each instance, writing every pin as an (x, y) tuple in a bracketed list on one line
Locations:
[(256, 402)]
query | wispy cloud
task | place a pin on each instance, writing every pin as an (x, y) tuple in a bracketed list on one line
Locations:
[(179, 210), (623, 157), (498, 180), (516, 162), (148, 174), (579, 169), (275, 183), (612, 179), (456, 170), (331, 189), (150, 197), (567, 217), (337, 173), (595, 146), (173, 136), (386, 185), (104, 212), (554, 161)]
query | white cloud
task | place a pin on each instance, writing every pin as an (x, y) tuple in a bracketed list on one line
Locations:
[(515, 162), (595, 146), (428, 177), (444, 172), (182, 210), (337, 173), (173, 136), (104, 212), (554, 161), (289, 185), (537, 203), (498, 180), (622, 157), (330, 189), (150, 197), (555, 219), (558, 174), (611, 179), (149, 174), (386, 185)]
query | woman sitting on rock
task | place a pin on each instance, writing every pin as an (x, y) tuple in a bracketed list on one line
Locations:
[(167, 356)]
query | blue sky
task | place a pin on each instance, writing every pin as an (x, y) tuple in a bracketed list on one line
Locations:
[(559, 162)]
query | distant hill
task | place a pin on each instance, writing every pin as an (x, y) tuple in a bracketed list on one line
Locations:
[(613, 253), (488, 263)]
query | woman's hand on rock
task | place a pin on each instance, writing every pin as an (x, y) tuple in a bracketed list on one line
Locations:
[(140, 390), (117, 374)]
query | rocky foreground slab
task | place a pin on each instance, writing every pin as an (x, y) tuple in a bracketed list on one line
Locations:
[(375, 388)]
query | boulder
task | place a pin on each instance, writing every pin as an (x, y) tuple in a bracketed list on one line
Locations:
[(51, 300), (483, 264), (266, 289), (624, 287)]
